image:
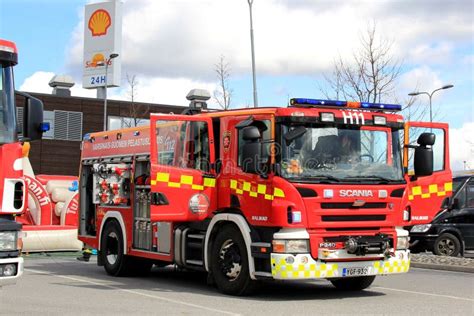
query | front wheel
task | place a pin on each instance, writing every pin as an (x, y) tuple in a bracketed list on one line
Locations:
[(353, 284), (447, 245), (230, 263)]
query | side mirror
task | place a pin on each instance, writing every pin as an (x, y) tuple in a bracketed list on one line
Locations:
[(251, 133), (455, 205), (424, 155), (294, 134), (426, 139), (33, 126), (446, 203), (251, 150)]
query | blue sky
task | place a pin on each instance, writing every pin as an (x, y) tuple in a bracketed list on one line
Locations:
[(172, 46)]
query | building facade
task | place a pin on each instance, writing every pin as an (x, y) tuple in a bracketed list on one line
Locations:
[(71, 118)]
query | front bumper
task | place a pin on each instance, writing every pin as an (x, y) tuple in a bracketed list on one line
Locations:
[(12, 279), (303, 266)]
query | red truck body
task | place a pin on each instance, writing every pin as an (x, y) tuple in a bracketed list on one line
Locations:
[(185, 191)]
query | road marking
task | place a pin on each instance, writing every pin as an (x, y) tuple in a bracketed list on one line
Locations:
[(135, 292), (423, 293)]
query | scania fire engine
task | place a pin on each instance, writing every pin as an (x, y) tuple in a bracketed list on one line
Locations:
[(315, 190), (12, 185)]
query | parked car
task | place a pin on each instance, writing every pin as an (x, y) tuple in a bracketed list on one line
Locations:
[(452, 231)]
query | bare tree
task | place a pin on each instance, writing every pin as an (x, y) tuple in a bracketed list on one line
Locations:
[(371, 74), (223, 93), (136, 112)]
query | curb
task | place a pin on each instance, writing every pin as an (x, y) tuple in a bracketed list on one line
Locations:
[(434, 266)]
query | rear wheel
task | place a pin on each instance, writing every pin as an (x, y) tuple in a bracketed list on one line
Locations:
[(116, 263), (230, 264), (112, 250), (447, 245), (353, 284)]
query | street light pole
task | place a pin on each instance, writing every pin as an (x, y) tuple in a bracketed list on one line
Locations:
[(430, 95), (255, 101), (112, 56)]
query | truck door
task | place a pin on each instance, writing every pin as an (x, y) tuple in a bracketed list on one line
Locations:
[(427, 194), (183, 183)]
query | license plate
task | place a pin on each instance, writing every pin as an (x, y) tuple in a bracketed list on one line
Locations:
[(355, 271)]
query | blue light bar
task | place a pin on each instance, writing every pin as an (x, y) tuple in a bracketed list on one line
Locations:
[(345, 104), (381, 106), (301, 101)]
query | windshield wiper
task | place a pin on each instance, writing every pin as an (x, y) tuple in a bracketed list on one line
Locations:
[(319, 178), (374, 178)]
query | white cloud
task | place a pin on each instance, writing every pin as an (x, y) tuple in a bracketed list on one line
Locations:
[(183, 39), (431, 53), (462, 146), (421, 78), (162, 90), (38, 82)]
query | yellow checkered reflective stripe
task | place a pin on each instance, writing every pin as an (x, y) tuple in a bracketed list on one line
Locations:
[(426, 192), (312, 269), (283, 270), (255, 190), (392, 267), (184, 180)]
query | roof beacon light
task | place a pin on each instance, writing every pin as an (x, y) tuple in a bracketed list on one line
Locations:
[(327, 117), (301, 102), (380, 120)]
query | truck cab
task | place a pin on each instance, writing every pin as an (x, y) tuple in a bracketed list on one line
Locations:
[(12, 184)]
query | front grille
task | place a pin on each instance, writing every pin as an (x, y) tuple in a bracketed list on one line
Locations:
[(337, 229), (352, 218), (368, 205), (18, 195)]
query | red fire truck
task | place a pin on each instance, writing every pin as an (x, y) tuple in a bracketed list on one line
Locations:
[(12, 185), (314, 190)]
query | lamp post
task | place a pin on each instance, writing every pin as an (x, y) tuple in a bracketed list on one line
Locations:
[(255, 101), (430, 95), (111, 56)]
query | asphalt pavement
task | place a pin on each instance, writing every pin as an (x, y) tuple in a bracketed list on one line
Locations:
[(65, 286)]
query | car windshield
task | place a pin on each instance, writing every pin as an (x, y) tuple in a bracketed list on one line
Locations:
[(339, 153), (7, 107), (457, 182)]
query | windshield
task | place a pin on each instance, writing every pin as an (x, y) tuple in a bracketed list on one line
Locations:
[(7, 107), (342, 154), (457, 182)]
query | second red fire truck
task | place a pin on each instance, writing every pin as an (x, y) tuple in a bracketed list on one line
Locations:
[(13, 198), (319, 189)]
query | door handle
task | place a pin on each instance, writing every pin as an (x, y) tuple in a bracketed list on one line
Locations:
[(158, 198)]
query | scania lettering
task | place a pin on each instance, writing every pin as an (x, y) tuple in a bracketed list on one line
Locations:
[(350, 193), (302, 192)]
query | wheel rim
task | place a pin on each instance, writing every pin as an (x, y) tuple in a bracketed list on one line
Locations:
[(112, 248), (446, 247), (230, 260)]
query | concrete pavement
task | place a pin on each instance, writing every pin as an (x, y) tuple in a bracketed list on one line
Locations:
[(56, 286)]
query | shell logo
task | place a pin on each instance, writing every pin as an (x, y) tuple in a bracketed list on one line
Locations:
[(97, 61), (99, 22)]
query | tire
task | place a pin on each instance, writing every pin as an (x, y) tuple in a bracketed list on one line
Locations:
[(230, 264), (353, 284), (112, 252), (447, 245)]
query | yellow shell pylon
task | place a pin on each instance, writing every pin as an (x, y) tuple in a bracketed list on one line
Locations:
[(99, 22)]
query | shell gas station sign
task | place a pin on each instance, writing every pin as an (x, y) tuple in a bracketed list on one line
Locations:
[(102, 37)]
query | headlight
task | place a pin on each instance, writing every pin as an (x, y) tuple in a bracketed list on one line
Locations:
[(291, 245), (8, 241), (402, 243), (420, 228)]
